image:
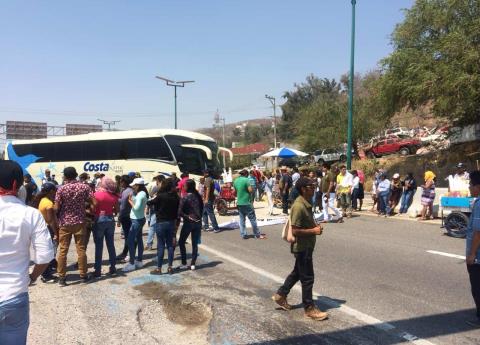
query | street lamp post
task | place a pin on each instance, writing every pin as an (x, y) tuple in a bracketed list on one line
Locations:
[(350, 90), (272, 100), (175, 84)]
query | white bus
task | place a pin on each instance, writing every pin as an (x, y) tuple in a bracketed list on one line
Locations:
[(148, 152)]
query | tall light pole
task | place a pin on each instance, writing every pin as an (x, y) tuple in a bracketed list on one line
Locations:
[(109, 123), (350, 90), (175, 84), (272, 100), (217, 120)]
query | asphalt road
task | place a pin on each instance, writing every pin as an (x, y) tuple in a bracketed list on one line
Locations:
[(381, 268), (373, 275)]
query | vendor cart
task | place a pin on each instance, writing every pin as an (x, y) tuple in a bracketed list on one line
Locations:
[(227, 200), (455, 213)]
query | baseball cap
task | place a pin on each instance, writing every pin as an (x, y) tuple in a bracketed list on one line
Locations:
[(303, 182), (396, 175), (138, 180), (460, 165), (131, 174)]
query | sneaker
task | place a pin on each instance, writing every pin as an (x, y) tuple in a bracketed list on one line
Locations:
[(112, 271), (474, 322), (128, 267), (97, 274), (192, 267), (182, 267), (138, 264), (86, 278), (315, 314), (62, 281), (281, 301), (48, 278), (120, 258), (216, 231), (245, 237), (127, 258)]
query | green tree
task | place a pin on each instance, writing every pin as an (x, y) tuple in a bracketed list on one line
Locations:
[(436, 59)]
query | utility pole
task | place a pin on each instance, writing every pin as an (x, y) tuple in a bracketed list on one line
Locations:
[(350, 91), (175, 84), (109, 123), (273, 101), (217, 120)]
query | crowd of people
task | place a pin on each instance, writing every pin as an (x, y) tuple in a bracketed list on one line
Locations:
[(47, 218)]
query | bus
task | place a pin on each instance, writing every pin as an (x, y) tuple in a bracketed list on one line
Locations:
[(149, 152)]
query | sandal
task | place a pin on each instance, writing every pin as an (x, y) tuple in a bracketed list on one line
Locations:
[(157, 271)]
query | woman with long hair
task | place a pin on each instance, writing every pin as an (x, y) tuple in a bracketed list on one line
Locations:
[(165, 204), (106, 206), (191, 210), (44, 203), (138, 202)]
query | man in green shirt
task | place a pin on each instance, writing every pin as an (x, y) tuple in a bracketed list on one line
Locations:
[(305, 231), (245, 209)]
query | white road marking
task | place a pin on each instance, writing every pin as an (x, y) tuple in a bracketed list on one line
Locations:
[(447, 254), (367, 319)]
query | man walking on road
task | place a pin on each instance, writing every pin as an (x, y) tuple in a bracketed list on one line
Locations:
[(305, 230), (473, 244), (245, 209), (70, 206), (328, 194), (21, 228)]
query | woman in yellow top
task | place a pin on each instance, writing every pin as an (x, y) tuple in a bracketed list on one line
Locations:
[(44, 202)]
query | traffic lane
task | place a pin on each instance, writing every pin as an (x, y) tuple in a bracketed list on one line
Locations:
[(379, 266)]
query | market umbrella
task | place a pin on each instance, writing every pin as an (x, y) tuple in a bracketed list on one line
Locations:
[(284, 152)]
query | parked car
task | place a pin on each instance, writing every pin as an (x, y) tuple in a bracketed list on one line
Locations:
[(398, 131), (389, 145), (329, 156), (294, 161)]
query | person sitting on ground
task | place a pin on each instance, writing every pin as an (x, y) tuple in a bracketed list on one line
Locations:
[(23, 232)]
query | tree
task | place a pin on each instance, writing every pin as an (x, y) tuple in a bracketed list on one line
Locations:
[(436, 59)]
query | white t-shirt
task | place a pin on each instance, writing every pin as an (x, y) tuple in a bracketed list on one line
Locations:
[(21, 227), (356, 182), (295, 178)]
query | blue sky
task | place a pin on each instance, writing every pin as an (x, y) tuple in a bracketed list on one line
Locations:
[(76, 61)]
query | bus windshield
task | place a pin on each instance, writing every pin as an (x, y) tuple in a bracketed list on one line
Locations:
[(194, 160)]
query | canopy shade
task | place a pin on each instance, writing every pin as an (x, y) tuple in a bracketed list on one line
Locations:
[(284, 152)]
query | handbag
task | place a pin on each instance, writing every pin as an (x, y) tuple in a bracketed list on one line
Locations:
[(287, 233)]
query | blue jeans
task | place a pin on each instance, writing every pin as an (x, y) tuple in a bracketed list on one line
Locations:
[(104, 228), (407, 198), (247, 211), (135, 235), (126, 223), (189, 228), (383, 201), (14, 320), (165, 232), (151, 229), (209, 213)]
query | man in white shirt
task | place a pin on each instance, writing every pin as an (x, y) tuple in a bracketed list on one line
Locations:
[(21, 227)]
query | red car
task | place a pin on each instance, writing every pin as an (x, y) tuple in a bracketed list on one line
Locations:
[(385, 146)]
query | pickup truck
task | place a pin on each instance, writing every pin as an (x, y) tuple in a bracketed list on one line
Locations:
[(385, 146)]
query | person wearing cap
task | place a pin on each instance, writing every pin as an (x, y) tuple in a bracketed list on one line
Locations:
[(473, 245), (24, 236), (138, 202), (461, 172), (305, 231), (244, 205), (70, 202), (44, 203), (396, 191)]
